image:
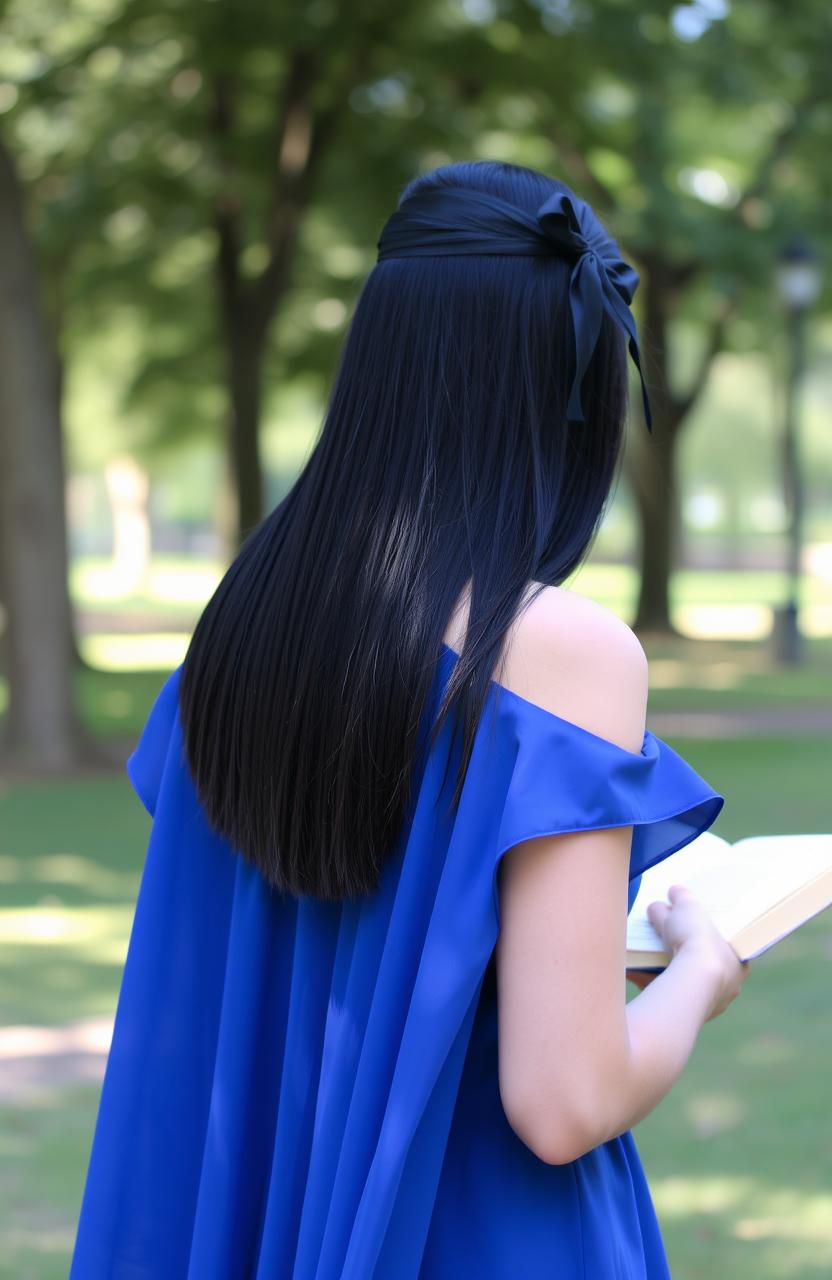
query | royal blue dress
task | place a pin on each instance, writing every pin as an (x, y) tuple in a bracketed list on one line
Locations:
[(308, 1089)]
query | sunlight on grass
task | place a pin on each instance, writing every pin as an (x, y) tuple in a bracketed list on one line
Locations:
[(680, 1197), (189, 582), (89, 1035), (818, 620), (59, 962), (669, 673), (169, 579), (85, 928), (757, 1211), (100, 582), (801, 1218), (59, 869), (745, 621), (719, 621), (711, 1113), (699, 595), (139, 652), (704, 603)]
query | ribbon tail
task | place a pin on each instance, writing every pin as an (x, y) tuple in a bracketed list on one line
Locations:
[(636, 358), (620, 312), (586, 300)]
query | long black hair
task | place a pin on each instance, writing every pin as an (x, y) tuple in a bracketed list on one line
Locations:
[(445, 459)]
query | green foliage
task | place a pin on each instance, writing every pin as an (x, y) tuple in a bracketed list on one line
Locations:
[(699, 130)]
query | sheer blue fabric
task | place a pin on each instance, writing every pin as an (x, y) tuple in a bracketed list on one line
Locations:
[(306, 1089)]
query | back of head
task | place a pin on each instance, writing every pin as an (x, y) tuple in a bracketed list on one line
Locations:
[(447, 457)]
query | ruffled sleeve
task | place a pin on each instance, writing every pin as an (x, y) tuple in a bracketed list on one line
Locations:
[(146, 765), (564, 778)]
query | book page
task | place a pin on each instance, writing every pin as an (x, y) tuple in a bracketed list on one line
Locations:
[(735, 883)]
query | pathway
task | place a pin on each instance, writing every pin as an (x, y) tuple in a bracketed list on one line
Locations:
[(34, 1060)]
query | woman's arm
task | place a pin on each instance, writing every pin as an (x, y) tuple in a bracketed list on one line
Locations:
[(663, 1022), (577, 1063)]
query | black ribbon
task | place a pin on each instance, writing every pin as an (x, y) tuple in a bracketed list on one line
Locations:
[(442, 221)]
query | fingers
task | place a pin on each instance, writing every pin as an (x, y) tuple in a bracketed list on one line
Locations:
[(657, 913), (675, 892)]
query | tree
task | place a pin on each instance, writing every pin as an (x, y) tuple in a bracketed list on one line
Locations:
[(221, 162), (42, 729), (695, 137)]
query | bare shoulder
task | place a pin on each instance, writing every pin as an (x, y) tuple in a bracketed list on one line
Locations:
[(580, 660)]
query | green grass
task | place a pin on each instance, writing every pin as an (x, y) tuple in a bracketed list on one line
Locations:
[(618, 585), (70, 860), (173, 583), (43, 1149), (117, 702), (736, 675), (739, 1153)]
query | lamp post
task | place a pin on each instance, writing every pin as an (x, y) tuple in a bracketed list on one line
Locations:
[(798, 284)]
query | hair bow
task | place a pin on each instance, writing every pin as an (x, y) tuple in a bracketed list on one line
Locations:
[(601, 281), (439, 221)]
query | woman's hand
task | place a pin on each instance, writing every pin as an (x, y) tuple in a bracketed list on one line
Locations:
[(685, 924)]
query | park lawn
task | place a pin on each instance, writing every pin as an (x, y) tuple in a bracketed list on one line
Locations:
[(736, 675), (706, 675), (739, 1155), (685, 675), (126, 668), (45, 1145), (116, 703), (175, 584)]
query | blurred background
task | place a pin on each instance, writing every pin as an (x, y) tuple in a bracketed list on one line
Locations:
[(190, 195)]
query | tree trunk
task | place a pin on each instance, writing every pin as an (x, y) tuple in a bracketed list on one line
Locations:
[(43, 731), (652, 471), (4, 608), (248, 308), (654, 483), (245, 380)]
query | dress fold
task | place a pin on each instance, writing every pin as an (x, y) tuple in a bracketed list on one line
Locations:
[(308, 1090)]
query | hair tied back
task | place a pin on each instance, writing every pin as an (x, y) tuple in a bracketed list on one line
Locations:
[(451, 221)]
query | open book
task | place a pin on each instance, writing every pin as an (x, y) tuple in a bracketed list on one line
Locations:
[(756, 891)]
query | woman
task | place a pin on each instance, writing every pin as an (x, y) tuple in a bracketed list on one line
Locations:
[(373, 1019)]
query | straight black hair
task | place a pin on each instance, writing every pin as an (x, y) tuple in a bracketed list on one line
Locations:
[(445, 459)]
